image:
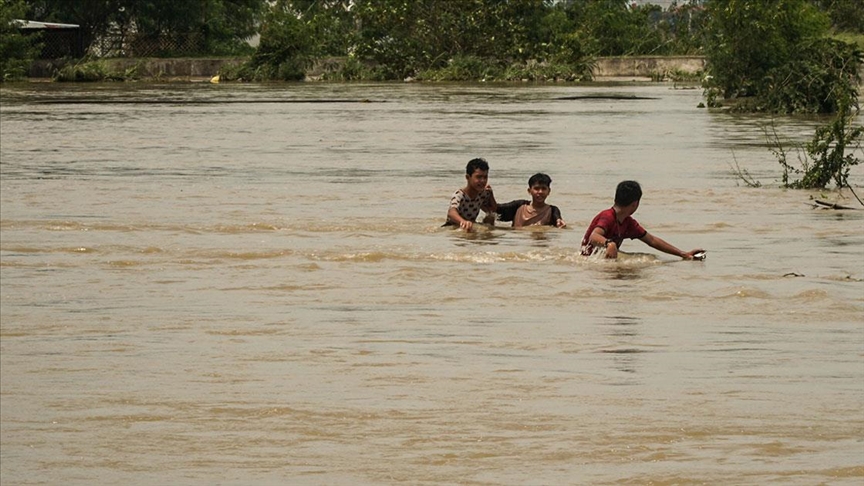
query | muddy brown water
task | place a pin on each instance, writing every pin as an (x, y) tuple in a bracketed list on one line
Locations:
[(249, 284)]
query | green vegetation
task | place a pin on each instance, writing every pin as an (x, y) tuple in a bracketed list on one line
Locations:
[(846, 15), (774, 56), (850, 38), (285, 51), (91, 70), (159, 27), (778, 57), (460, 40), (828, 157), (16, 51), (781, 56)]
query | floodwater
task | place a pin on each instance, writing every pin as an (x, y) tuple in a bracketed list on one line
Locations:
[(249, 284)]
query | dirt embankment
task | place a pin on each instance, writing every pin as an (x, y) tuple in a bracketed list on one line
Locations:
[(623, 68)]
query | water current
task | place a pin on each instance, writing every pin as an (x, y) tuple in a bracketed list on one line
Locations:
[(249, 284)]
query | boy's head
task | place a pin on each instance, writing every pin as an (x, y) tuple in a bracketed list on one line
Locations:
[(477, 174), (539, 187), (540, 179), (627, 193), (475, 164)]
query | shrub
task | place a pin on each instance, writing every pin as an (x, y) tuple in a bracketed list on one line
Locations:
[(16, 50), (463, 68), (827, 157), (534, 71), (88, 71), (285, 50)]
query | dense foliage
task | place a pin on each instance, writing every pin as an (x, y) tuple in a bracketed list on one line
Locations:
[(751, 38), (846, 15), (16, 50), (202, 26), (286, 48), (467, 39), (775, 56)]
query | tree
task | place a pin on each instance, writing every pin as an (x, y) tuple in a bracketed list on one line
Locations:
[(16, 50), (412, 35), (748, 38), (204, 26), (682, 28), (776, 55), (286, 48), (219, 26), (615, 27), (93, 16), (846, 15)]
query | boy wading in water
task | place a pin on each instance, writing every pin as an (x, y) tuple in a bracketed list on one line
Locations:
[(534, 212), (609, 228), (466, 203)]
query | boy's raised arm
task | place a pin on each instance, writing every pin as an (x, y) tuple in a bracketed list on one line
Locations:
[(492, 204)]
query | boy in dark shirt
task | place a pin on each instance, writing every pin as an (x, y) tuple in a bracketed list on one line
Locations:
[(523, 212), (609, 228)]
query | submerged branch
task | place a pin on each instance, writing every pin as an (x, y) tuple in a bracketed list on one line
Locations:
[(829, 205)]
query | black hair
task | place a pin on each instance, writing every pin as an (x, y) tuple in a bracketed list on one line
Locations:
[(541, 179), (474, 164), (627, 192)]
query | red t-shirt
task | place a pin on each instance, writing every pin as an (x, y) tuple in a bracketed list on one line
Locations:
[(630, 228)]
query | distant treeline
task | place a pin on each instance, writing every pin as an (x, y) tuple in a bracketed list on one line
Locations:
[(467, 39), (769, 50)]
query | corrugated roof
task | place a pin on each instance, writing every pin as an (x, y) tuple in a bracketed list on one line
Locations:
[(32, 24)]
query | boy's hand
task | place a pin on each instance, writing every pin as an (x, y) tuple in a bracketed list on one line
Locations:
[(560, 223), (612, 250), (493, 204), (466, 225), (691, 255), (489, 191)]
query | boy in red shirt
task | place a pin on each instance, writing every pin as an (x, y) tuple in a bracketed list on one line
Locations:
[(609, 228)]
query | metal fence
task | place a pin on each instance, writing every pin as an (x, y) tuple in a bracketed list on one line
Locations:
[(69, 43), (121, 44), (57, 43)]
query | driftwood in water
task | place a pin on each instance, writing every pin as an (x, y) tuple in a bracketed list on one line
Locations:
[(828, 205)]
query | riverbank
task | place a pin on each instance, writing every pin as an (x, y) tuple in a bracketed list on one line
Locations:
[(636, 68)]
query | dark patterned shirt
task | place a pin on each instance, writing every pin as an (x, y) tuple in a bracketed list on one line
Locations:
[(469, 208)]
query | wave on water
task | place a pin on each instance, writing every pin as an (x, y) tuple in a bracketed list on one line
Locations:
[(130, 255), (353, 228), (54, 225), (746, 293)]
